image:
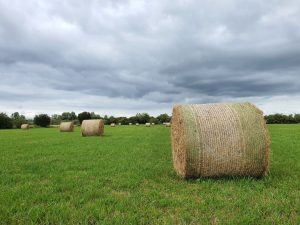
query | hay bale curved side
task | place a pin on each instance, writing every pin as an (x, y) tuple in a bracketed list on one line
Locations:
[(92, 128), (25, 126), (214, 140), (66, 127)]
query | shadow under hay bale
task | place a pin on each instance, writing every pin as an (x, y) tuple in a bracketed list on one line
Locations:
[(215, 140), (66, 127), (92, 128)]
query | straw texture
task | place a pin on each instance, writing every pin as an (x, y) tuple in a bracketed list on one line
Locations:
[(66, 127), (25, 126), (214, 140), (92, 128)]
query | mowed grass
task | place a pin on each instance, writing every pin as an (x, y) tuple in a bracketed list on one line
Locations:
[(127, 177)]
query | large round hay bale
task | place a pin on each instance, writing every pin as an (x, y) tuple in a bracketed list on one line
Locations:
[(66, 127), (92, 128), (25, 126), (214, 140)]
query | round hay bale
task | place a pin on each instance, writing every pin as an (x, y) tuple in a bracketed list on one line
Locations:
[(167, 124), (130, 123), (66, 127), (25, 126), (92, 128), (120, 124), (214, 140), (112, 124), (152, 123), (147, 125), (137, 124)]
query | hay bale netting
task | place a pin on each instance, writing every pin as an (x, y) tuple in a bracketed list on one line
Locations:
[(25, 126), (147, 124), (214, 140), (66, 127), (112, 124), (92, 128)]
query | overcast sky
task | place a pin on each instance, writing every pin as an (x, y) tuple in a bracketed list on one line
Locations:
[(123, 57)]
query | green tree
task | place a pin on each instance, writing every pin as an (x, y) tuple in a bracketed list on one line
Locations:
[(142, 118), (5, 121), (297, 118), (56, 119), (132, 119), (163, 118), (111, 119), (17, 119), (95, 116), (153, 120), (84, 116), (69, 116), (42, 120)]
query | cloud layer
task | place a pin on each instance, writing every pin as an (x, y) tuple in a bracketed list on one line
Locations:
[(124, 57)]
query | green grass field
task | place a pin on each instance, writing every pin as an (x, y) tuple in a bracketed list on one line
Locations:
[(127, 177)]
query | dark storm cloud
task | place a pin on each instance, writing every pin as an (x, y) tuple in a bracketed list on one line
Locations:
[(143, 54)]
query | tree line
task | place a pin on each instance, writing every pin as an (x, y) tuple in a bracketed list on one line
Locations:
[(15, 120), (44, 120), (282, 119)]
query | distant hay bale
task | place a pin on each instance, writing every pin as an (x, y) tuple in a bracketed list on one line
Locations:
[(92, 128), (152, 123), (214, 140), (147, 125), (25, 126), (167, 124), (120, 124), (112, 124), (137, 124), (66, 127), (130, 123)]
